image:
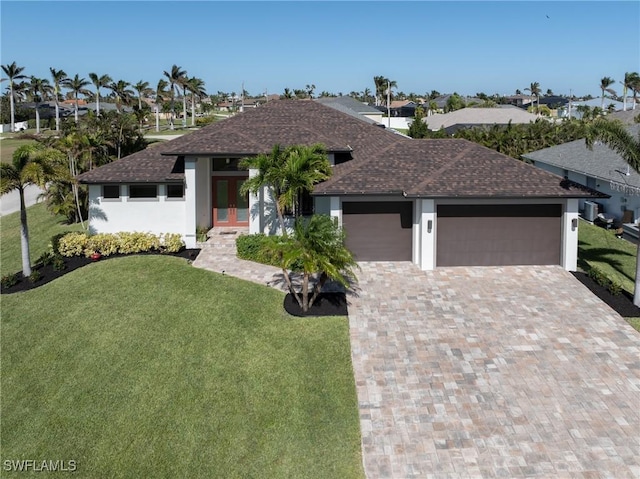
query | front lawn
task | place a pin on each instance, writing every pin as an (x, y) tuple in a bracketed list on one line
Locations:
[(147, 367), (42, 226)]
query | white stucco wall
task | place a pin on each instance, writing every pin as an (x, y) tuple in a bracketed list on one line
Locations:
[(161, 215)]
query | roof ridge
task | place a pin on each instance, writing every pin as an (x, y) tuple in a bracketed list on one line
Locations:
[(447, 165)]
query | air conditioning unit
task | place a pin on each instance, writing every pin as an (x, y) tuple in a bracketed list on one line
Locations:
[(590, 210)]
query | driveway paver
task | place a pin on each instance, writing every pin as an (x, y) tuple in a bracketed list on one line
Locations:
[(492, 372)]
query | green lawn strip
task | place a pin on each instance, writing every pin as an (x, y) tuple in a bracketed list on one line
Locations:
[(147, 367), (615, 257), (8, 146), (42, 226)]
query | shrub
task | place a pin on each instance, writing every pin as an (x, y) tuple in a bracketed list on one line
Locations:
[(55, 242), (615, 288), (58, 263), (73, 244), (205, 120), (46, 258), (201, 234), (106, 244), (258, 248), (9, 280), (137, 242), (35, 276), (172, 242)]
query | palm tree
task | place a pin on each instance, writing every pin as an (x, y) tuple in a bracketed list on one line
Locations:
[(287, 94), (175, 77), (13, 72), (161, 91), (615, 136), (40, 89), (197, 90), (534, 88), (77, 86), (31, 165), (605, 83), (99, 82), (142, 87), (286, 174), (122, 93), (631, 79), (310, 89), (58, 76), (316, 246)]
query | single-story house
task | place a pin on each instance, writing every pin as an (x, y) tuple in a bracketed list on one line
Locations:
[(443, 202), (353, 107), (601, 168), (475, 117)]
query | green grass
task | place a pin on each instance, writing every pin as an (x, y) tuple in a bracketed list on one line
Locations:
[(8, 146), (147, 367), (613, 256), (42, 226)]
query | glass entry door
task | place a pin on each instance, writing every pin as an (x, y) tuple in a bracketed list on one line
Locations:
[(230, 207)]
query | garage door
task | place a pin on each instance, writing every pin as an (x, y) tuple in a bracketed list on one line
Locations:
[(378, 231), (492, 235)]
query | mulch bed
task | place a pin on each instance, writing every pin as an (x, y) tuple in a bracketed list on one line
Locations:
[(48, 274), (620, 303), (327, 304)]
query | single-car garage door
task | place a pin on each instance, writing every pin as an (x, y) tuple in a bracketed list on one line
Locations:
[(378, 231), (498, 235)]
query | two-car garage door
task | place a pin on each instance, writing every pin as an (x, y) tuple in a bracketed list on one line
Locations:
[(467, 235), (498, 235)]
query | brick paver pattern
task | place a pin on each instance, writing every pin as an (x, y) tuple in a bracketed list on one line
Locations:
[(483, 372)]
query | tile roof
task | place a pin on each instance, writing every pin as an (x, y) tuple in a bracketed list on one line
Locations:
[(382, 162), (446, 168), (601, 162)]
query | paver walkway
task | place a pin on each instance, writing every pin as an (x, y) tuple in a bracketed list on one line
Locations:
[(483, 372)]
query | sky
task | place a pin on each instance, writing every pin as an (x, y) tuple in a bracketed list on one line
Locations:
[(463, 47)]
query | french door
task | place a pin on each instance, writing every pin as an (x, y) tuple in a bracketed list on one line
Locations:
[(230, 207)]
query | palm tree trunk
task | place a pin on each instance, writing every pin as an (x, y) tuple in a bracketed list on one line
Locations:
[(97, 102), (193, 111), (184, 108), (13, 109), (76, 113), (157, 117), (37, 117), (287, 280), (305, 292), (318, 288), (636, 291), (57, 116), (24, 235)]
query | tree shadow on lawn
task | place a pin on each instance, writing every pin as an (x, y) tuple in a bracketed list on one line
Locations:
[(48, 273)]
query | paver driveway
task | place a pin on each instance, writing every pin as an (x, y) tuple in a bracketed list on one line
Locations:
[(492, 372)]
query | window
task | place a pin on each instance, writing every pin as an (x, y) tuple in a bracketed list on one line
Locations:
[(226, 164), (175, 191), (111, 192), (143, 191)]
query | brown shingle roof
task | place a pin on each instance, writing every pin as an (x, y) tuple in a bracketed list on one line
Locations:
[(383, 162), (446, 168), (284, 122), (146, 166)]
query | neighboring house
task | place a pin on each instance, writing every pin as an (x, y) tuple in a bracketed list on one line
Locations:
[(601, 168), (609, 104), (473, 117), (520, 100), (403, 108), (432, 202), (353, 107)]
